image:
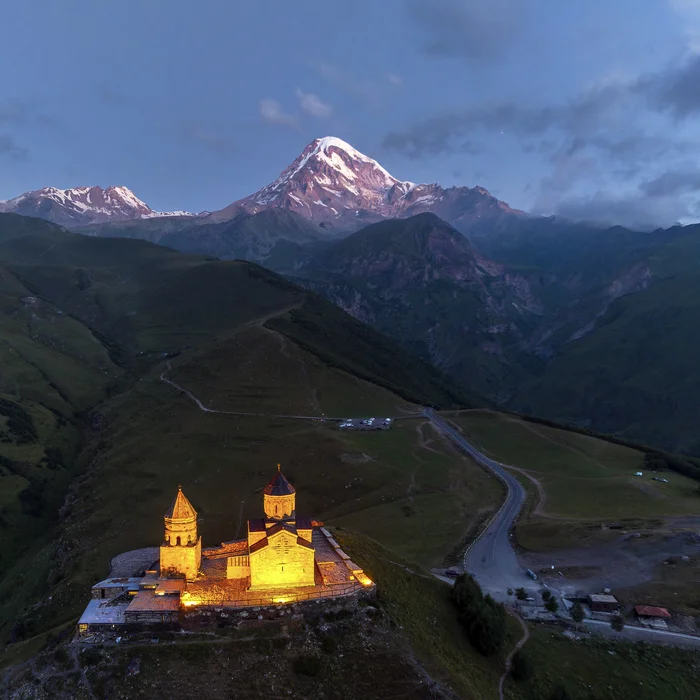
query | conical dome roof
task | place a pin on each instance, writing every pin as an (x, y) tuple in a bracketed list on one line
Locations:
[(181, 508), (278, 485)]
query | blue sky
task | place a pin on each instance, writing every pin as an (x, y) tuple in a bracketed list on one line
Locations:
[(587, 109)]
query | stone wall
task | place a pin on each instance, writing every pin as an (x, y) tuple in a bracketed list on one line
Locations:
[(282, 563), (183, 560), (238, 566), (331, 604)]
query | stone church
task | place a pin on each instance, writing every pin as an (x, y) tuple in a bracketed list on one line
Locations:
[(283, 559), (279, 551)]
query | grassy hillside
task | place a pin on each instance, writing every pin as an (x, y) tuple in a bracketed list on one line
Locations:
[(603, 669), (635, 374), (407, 644), (278, 238), (404, 487), (85, 319), (575, 481), (53, 368)]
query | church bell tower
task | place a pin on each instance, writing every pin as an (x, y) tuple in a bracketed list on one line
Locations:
[(181, 551)]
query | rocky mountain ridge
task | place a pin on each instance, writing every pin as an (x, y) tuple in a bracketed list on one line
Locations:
[(422, 282), (83, 205), (338, 188)]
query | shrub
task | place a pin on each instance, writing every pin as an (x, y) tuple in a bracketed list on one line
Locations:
[(19, 422), (328, 644), (90, 656), (552, 605), (577, 613), (617, 623), (32, 498), (521, 668), (307, 665), (61, 656)]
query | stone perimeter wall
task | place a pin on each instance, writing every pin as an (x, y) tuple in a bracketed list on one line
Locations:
[(273, 612), (215, 616)]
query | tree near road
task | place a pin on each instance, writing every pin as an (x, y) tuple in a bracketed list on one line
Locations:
[(617, 623), (521, 594), (552, 605), (483, 619), (577, 614)]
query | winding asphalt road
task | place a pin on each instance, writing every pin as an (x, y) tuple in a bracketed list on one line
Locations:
[(491, 558)]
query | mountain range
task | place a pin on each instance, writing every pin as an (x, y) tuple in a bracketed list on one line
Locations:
[(525, 311), (331, 184), (83, 205)]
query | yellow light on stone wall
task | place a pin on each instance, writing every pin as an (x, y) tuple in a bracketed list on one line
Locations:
[(282, 599), (364, 580)]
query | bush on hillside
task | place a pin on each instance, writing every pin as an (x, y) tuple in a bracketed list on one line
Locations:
[(483, 619), (328, 644), (32, 498), (560, 693), (307, 665), (521, 667), (19, 423)]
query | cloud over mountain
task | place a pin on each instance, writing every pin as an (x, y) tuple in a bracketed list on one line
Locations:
[(636, 127)]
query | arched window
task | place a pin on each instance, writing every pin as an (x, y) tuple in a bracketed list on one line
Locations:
[(277, 510), (178, 541)]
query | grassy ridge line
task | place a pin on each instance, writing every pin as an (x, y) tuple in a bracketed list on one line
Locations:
[(676, 461), (368, 355), (690, 460)]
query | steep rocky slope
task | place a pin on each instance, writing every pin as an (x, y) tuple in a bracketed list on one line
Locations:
[(632, 368), (422, 282)]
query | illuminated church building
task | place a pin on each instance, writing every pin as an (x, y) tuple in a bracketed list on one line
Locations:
[(278, 551), (284, 558)]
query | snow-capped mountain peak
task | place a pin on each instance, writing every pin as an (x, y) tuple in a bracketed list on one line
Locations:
[(331, 163), (83, 205), (330, 180), (336, 186)]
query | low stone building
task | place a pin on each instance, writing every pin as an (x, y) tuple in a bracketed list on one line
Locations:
[(284, 559), (600, 602)]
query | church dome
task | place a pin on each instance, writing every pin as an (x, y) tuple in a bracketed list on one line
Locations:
[(279, 486)]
